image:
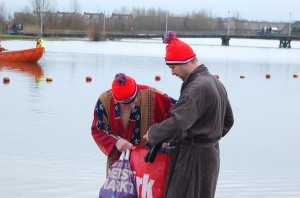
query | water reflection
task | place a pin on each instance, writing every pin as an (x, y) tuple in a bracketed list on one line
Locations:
[(30, 69)]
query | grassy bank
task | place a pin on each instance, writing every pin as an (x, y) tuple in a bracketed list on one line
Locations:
[(16, 37), (29, 37)]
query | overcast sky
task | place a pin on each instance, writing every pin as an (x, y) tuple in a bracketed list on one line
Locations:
[(261, 10)]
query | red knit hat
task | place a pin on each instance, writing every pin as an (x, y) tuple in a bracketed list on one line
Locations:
[(177, 51), (124, 88)]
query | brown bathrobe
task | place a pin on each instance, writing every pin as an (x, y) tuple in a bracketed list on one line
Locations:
[(200, 118)]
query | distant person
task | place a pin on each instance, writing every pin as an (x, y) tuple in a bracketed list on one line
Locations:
[(270, 31), (39, 43), (1, 48)]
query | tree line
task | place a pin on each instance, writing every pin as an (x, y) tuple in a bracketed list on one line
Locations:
[(42, 17), (41, 13)]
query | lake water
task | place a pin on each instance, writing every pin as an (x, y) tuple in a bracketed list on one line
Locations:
[(46, 147)]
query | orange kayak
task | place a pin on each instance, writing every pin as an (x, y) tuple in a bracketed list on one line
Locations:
[(27, 55)]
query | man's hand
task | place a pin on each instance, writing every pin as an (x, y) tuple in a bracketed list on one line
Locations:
[(146, 136), (123, 145)]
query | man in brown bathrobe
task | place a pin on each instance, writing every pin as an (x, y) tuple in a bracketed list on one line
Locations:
[(201, 117)]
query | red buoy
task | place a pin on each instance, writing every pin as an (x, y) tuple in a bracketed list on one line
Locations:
[(268, 75), (6, 80), (157, 78), (88, 79)]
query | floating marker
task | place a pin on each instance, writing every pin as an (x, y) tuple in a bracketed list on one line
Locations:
[(6, 80), (295, 75), (88, 79), (49, 79), (217, 76), (268, 75), (157, 78), (242, 76)]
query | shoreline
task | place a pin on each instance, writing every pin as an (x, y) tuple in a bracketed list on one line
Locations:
[(27, 37)]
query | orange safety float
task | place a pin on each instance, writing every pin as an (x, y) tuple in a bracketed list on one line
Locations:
[(242, 76), (157, 78), (49, 79), (88, 79), (6, 80)]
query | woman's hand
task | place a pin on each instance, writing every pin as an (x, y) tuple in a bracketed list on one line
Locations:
[(123, 145)]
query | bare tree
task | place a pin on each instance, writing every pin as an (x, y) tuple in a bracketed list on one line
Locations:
[(75, 6), (2, 17), (74, 20), (40, 7), (219, 24)]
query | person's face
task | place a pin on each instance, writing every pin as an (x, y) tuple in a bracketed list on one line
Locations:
[(129, 105), (179, 71)]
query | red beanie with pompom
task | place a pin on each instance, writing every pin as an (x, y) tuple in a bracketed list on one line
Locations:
[(124, 88), (177, 51)]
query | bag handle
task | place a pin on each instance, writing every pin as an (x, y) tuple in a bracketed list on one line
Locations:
[(122, 155), (125, 155)]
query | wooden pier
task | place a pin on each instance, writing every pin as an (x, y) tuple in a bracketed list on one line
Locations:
[(225, 40), (284, 39), (285, 42)]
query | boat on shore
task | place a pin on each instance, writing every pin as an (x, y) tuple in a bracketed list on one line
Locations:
[(28, 55)]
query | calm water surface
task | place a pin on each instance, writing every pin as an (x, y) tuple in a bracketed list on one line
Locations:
[(46, 147)]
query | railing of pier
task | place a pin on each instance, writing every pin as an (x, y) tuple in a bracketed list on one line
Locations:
[(211, 33)]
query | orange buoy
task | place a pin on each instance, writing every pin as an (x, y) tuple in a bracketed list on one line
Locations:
[(6, 80), (49, 79), (268, 75), (157, 78), (88, 79), (217, 76), (295, 75)]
